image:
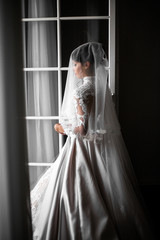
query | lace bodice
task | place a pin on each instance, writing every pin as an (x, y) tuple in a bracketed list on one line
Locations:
[(82, 99)]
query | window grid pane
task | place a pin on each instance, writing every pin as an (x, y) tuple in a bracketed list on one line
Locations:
[(61, 17)]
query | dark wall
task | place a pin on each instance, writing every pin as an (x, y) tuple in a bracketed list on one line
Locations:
[(138, 65)]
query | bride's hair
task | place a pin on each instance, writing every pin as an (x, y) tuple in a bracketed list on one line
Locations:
[(83, 54), (90, 52)]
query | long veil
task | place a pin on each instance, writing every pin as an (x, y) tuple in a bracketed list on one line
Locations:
[(100, 119)]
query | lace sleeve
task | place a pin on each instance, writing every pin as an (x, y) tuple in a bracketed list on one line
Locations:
[(82, 116), (83, 98), (77, 122)]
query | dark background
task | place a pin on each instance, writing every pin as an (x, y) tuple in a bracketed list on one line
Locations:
[(138, 84)]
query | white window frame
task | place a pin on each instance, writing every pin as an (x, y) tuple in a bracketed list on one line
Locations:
[(111, 35)]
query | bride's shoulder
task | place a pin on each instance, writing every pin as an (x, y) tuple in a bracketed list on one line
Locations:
[(83, 91)]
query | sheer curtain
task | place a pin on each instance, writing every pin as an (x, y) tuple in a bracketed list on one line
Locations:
[(41, 87)]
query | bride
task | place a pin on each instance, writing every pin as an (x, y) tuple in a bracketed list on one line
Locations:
[(90, 192)]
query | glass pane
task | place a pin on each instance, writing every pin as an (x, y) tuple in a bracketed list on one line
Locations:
[(41, 44), (82, 31), (41, 93), (64, 77), (34, 174), (84, 8), (42, 141), (40, 8)]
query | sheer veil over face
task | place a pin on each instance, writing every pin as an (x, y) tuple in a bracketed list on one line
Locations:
[(89, 60)]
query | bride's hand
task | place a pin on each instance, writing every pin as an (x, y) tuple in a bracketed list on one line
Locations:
[(58, 128)]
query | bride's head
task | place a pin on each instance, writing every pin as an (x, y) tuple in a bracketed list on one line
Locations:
[(83, 61)]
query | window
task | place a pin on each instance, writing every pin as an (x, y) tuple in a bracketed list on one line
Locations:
[(52, 29)]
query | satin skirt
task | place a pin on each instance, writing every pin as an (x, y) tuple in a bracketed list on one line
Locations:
[(89, 193)]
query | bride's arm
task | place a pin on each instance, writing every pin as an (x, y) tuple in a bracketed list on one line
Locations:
[(81, 128), (82, 111), (82, 119)]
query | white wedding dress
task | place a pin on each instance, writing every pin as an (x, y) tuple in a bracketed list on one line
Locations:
[(90, 192)]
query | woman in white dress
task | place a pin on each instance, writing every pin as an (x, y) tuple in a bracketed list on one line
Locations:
[(90, 192)]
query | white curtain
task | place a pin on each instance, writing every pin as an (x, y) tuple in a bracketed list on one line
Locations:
[(41, 87)]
